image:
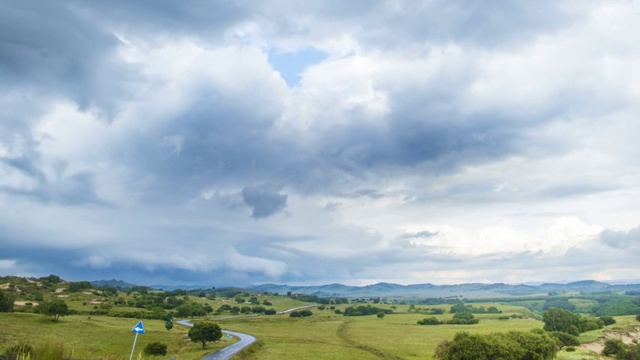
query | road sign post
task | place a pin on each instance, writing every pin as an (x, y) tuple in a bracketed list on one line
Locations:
[(138, 329)]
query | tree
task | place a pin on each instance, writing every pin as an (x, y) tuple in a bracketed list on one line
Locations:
[(535, 345), (204, 332), (608, 320), (479, 347), (638, 317), (155, 348), (560, 320), (6, 302), (55, 309), (169, 323), (380, 315), (513, 345)]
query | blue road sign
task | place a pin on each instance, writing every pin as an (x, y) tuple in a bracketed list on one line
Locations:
[(139, 329)]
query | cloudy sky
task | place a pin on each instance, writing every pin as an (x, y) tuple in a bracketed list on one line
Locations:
[(240, 142)]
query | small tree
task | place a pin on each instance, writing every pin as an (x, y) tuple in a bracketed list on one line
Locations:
[(380, 315), (55, 309), (156, 348), (6, 302), (204, 332), (614, 347)]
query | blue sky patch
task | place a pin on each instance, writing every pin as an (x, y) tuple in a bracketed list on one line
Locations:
[(291, 65)]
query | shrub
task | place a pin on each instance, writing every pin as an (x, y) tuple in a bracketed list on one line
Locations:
[(19, 351), (570, 349), (155, 348), (564, 339), (463, 318), (614, 347), (429, 321), (607, 320), (52, 349)]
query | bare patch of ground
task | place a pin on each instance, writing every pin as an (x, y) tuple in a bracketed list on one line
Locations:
[(626, 335), (24, 303)]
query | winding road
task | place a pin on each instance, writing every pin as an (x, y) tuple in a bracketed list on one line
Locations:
[(227, 352), (244, 339)]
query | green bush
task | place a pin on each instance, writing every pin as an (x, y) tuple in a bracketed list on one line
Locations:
[(429, 321), (614, 347), (156, 348), (463, 318)]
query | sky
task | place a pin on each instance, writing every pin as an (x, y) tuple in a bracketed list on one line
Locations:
[(239, 142)]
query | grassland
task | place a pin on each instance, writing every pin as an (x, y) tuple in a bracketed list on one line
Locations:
[(325, 335), (99, 337)]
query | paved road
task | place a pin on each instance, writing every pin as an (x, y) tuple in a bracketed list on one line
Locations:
[(294, 309), (244, 339), (229, 351)]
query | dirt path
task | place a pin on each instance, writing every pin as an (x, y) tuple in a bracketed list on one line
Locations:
[(342, 334)]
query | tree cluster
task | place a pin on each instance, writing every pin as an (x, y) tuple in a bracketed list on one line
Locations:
[(565, 321), (235, 310), (318, 299), (464, 318), (619, 306), (512, 345), (301, 313), (363, 310), (621, 351), (462, 308)]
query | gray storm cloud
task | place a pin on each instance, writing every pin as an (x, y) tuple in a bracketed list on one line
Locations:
[(129, 126), (264, 200)]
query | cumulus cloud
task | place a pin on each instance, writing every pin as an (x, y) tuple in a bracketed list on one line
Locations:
[(621, 239), (438, 140)]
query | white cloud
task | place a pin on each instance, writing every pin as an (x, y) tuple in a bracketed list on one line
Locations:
[(508, 142)]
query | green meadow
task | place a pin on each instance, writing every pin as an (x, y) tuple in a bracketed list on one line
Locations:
[(325, 335), (96, 330), (98, 337)]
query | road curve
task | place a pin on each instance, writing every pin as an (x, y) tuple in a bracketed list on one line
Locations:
[(244, 339), (227, 352)]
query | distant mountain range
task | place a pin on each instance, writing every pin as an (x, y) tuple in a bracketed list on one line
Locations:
[(472, 290), (115, 283)]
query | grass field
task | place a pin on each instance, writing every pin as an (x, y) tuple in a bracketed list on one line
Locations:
[(396, 336), (326, 335), (99, 337)]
